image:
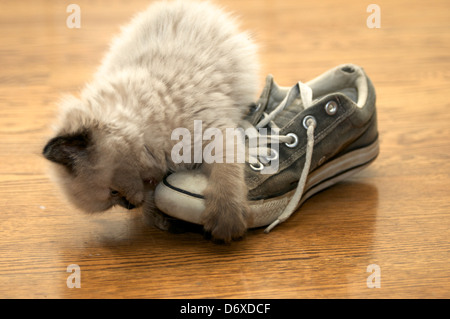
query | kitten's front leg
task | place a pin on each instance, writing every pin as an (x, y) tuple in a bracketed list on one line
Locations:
[(226, 215)]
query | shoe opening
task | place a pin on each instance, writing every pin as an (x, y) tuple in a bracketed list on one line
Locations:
[(348, 69), (348, 79)]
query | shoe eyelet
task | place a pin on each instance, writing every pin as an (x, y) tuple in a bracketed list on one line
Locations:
[(273, 155), (321, 161), (331, 107), (260, 167), (255, 108), (309, 120), (294, 143)]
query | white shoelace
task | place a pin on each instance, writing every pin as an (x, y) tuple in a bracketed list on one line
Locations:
[(309, 122)]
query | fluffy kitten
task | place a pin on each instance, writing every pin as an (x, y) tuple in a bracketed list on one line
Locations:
[(174, 63)]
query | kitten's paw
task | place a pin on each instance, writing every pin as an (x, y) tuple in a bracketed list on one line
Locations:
[(226, 221)]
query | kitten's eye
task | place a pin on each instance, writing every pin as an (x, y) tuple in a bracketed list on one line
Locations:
[(114, 193)]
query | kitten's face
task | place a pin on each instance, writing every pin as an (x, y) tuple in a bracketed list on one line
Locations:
[(96, 177)]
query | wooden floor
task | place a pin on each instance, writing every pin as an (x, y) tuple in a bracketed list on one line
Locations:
[(395, 214)]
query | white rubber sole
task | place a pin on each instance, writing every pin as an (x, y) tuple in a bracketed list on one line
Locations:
[(180, 194)]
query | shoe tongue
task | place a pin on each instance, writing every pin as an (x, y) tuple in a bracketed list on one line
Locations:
[(273, 95), (293, 106)]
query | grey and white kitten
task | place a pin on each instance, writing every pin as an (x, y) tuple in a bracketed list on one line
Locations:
[(174, 63)]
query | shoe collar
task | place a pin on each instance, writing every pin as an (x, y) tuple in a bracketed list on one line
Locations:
[(344, 78)]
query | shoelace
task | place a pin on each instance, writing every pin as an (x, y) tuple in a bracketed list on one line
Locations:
[(291, 140)]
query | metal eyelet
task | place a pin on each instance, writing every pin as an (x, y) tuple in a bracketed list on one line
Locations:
[(309, 120), (331, 107), (321, 161), (260, 167), (294, 143), (273, 155), (256, 107)]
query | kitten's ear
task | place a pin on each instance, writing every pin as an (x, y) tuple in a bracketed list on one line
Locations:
[(67, 149)]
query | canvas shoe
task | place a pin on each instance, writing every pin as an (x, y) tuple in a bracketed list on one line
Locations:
[(326, 131)]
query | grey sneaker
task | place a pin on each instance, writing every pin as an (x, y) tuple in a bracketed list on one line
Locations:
[(327, 131)]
